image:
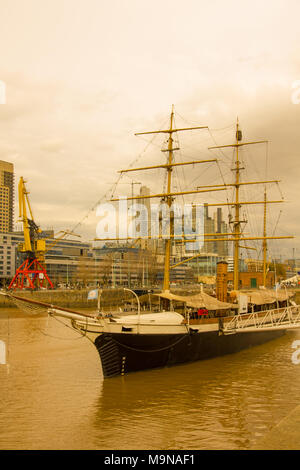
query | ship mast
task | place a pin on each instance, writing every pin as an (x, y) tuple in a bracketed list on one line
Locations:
[(237, 221), (169, 199), (168, 195), (265, 240)]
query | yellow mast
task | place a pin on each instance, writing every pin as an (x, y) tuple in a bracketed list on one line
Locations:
[(168, 197), (23, 214), (231, 240), (29, 226), (167, 165), (237, 222)]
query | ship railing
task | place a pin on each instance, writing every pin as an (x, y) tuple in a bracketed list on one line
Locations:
[(283, 317)]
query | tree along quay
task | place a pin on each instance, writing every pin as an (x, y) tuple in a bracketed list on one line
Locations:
[(71, 298)]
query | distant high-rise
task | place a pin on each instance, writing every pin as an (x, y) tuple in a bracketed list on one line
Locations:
[(6, 196), (214, 225), (144, 191)]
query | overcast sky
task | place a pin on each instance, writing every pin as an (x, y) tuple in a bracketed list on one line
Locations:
[(83, 76)]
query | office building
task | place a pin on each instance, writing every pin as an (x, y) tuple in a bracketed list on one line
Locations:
[(6, 196)]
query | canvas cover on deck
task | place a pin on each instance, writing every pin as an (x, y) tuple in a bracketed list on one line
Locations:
[(200, 300), (265, 296), (147, 298)]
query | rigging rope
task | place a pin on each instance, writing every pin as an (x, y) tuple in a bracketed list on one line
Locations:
[(82, 335), (113, 188)]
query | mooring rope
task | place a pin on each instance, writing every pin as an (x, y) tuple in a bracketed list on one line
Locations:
[(150, 350)]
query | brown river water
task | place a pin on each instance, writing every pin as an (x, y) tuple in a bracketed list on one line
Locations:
[(53, 396)]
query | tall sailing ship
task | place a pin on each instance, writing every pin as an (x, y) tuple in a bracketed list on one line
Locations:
[(170, 336)]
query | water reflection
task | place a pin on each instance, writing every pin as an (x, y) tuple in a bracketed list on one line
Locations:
[(55, 396), (223, 403)]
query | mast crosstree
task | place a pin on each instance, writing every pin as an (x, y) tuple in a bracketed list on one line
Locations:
[(168, 196)]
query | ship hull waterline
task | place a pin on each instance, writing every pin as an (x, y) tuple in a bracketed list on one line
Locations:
[(121, 354)]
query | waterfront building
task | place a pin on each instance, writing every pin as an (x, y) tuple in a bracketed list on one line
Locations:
[(63, 260), (126, 265), (6, 196), (9, 255), (213, 226), (252, 280)]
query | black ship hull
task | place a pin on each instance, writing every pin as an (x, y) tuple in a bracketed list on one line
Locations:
[(124, 353)]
